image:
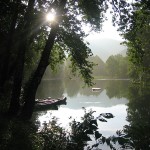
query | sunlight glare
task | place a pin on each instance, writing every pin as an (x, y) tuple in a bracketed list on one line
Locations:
[(50, 17)]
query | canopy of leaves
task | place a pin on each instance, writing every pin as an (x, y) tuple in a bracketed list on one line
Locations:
[(134, 22), (117, 66)]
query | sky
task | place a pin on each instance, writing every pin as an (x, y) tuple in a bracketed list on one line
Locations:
[(108, 30), (106, 42)]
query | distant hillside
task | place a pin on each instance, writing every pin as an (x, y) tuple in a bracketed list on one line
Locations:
[(106, 47)]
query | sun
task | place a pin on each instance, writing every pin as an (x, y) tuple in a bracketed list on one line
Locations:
[(50, 17)]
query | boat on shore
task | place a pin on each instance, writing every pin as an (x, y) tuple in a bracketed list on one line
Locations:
[(49, 103)]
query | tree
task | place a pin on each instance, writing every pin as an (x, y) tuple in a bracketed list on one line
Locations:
[(11, 20), (134, 25), (65, 35), (112, 66), (99, 68), (117, 89), (16, 90), (6, 58), (117, 66)]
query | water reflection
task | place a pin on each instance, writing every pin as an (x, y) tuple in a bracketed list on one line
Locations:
[(50, 88), (118, 89), (139, 117), (112, 93), (111, 98), (56, 88), (124, 102), (72, 87), (99, 100)]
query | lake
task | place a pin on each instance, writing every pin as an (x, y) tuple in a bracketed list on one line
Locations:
[(112, 98)]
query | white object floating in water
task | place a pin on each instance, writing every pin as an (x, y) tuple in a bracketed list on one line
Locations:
[(96, 89)]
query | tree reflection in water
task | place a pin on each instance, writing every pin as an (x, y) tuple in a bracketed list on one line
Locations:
[(16, 134), (139, 117), (117, 89)]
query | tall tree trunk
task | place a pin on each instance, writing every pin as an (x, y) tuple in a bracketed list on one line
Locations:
[(33, 84), (30, 91), (17, 82), (5, 67)]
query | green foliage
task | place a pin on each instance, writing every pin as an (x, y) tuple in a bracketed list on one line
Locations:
[(43, 43), (69, 33), (117, 89), (71, 39), (80, 132), (57, 57), (134, 24), (16, 134), (136, 134), (123, 140), (54, 136), (93, 12), (117, 66), (19, 135), (87, 130), (99, 69), (33, 55), (138, 116)]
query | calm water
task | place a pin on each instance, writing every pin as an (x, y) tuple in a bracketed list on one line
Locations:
[(110, 99), (130, 104)]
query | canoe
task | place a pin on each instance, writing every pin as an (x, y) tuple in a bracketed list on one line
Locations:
[(49, 103)]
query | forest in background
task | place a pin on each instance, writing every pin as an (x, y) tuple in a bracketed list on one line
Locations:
[(115, 67)]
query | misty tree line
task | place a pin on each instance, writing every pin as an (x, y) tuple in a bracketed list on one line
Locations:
[(116, 66)]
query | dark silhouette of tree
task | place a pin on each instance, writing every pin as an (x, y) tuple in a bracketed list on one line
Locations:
[(138, 117)]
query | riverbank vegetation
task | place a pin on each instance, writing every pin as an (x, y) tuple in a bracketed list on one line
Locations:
[(115, 67), (25, 135)]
